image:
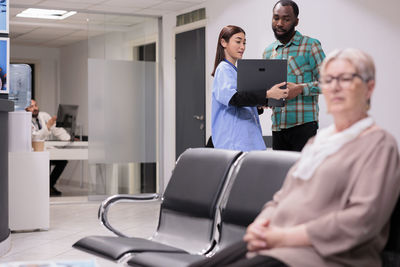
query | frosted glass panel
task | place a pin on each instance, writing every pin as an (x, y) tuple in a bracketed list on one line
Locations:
[(122, 111)]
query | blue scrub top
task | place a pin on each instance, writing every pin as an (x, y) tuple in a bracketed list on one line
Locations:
[(236, 128)]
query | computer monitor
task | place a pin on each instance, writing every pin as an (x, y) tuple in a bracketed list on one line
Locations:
[(66, 118)]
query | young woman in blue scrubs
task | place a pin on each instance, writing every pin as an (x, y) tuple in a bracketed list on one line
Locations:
[(234, 116)]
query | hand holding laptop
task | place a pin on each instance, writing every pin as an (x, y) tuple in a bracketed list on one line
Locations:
[(294, 90), (276, 92), (257, 75)]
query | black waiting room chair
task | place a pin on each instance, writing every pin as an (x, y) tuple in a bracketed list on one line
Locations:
[(255, 179), (238, 211), (391, 252), (187, 222)]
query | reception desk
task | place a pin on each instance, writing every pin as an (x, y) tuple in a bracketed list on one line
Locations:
[(29, 191), (32, 211), (65, 150)]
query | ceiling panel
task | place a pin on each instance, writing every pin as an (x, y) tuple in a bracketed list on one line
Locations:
[(83, 18), (72, 38), (173, 5), (114, 9), (85, 34), (67, 39), (42, 34), (153, 12), (25, 42), (29, 21), (63, 41), (34, 38), (193, 1), (128, 19), (30, 31), (25, 2), (82, 22), (59, 43), (84, 1), (135, 3), (63, 5), (21, 28), (49, 31), (14, 11), (14, 35)]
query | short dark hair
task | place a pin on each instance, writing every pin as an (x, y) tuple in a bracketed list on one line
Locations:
[(288, 3)]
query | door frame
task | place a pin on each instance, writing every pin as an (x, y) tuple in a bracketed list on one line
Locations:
[(144, 41), (180, 29), (155, 38)]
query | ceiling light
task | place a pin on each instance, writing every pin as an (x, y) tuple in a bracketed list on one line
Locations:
[(45, 13)]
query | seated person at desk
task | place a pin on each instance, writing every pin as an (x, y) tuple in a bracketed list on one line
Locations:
[(335, 204), (44, 128)]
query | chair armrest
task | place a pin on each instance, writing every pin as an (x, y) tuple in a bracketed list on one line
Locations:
[(106, 204)]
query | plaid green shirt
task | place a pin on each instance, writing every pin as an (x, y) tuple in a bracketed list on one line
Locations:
[(304, 55)]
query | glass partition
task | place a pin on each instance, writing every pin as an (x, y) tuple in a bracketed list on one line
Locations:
[(122, 87)]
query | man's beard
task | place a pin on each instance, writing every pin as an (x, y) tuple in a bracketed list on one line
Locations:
[(35, 114), (286, 35)]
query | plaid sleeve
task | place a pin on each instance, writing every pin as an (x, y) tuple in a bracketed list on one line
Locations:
[(317, 55), (267, 52)]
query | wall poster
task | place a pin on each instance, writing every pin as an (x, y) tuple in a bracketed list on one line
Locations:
[(4, 16), (4, 64)]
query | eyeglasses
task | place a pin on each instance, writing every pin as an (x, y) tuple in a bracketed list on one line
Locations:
[(344, 80)]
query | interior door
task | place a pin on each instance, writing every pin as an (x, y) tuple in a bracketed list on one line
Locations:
[(190, 89)]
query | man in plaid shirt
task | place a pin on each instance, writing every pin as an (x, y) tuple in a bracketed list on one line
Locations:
[(297, 121)]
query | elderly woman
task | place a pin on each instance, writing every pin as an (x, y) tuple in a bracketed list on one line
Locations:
[(335, 204)]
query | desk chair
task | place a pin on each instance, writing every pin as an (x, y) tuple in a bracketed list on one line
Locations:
[(187, 222), (256, 178)]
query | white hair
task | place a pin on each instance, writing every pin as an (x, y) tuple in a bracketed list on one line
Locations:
[(359, 59)]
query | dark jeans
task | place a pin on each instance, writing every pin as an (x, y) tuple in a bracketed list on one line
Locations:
[(235, 256), (59, 166), (294, 138)]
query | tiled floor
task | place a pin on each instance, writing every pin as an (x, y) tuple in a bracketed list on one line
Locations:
[(72, 218)]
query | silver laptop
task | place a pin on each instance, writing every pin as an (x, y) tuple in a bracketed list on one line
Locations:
[(255, 75)]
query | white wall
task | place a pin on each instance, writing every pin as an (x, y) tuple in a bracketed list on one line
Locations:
[(47, 66), (366, 24)]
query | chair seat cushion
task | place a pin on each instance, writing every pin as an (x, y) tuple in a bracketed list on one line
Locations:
[(153, 259), (112, 247), (390, 259)]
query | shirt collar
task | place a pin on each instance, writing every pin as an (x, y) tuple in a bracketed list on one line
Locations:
[(230, 63), (295, 40)]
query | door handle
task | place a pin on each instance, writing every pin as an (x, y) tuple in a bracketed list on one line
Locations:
[(198, 117)]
